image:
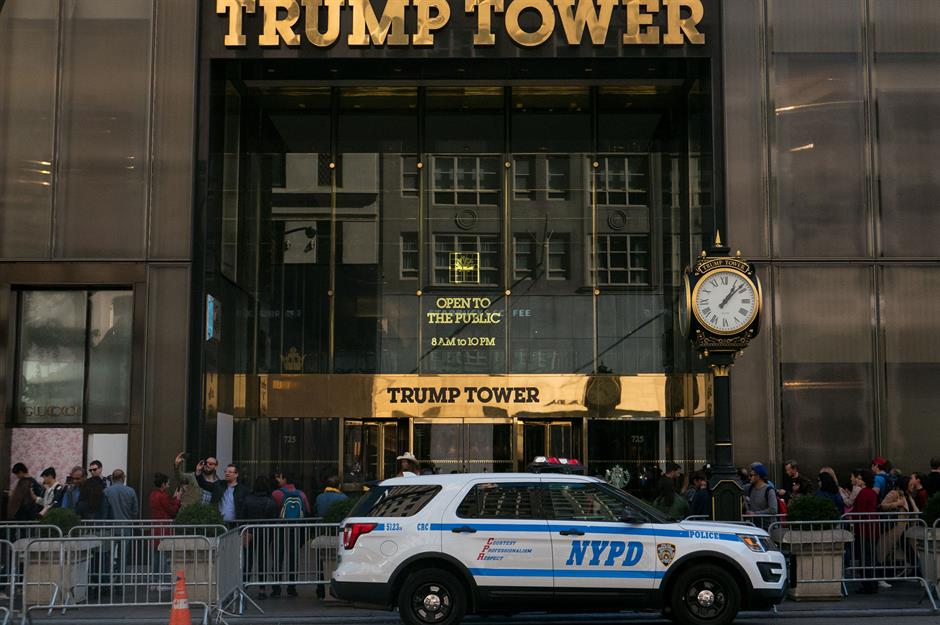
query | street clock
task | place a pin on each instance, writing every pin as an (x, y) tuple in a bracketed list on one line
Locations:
[(721, 302)]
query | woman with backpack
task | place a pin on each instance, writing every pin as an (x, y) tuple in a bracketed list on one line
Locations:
[(259, 506), (293, 506)]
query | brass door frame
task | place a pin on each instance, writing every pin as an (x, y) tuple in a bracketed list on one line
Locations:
[(522, 461), (382, 424)]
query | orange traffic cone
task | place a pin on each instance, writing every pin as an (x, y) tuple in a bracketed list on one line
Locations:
[(179, 613)]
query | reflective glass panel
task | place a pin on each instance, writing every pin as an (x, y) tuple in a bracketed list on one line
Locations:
[(827, 392), (912, 361), (907, 90), (110, 330), (819, 129), (377, 231), (51, 357), (104, 128), (28, 49)]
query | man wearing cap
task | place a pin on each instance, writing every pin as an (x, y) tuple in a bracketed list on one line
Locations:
[(878, 466), (409, 465), (760, 498)]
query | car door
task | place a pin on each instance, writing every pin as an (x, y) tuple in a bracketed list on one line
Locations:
[(496, 530), (596, 554)]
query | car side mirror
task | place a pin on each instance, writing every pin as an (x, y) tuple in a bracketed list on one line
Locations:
[(631, 517)]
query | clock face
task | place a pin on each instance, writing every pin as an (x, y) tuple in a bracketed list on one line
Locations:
[(725, 301)]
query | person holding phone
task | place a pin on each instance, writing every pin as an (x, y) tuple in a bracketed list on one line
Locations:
[(188, 485)]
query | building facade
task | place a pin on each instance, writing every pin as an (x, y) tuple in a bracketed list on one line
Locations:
[(313, 235)]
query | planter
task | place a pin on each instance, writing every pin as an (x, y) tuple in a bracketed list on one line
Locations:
[(196, 559), (324, 553), (48, 564), (815, 555), (926, 543)]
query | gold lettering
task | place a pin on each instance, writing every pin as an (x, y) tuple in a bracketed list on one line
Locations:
[(276, 29), (679, 26), (391, 26), (426, 23), (575, 22), (544, 31), (236, 19), (640, 14), (314, 36), (484, 8)]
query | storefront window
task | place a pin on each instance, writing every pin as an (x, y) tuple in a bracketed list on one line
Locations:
[(75, 353)]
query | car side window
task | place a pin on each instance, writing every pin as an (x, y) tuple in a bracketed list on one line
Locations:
[(501, 500), (574, 501)]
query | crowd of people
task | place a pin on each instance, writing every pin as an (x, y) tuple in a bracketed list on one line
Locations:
[(879, 488), (93, 496)]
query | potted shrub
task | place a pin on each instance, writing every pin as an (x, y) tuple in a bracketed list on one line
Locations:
[(194, 553), (50, 563), (325, 545), (816, 549)]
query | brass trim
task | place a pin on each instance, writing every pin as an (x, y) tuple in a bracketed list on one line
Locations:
[(685, 309), (750, 319), (721, 371), (724, 444)]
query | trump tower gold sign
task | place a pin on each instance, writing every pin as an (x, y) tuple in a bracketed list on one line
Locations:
[(527, 23)]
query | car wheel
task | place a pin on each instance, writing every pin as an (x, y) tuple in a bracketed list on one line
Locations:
[(705, 595), (432, 597)]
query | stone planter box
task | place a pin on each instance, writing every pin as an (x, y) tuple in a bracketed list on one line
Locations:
[(816, 555), (196, 558), (48, 564), (324, 548), (917, 536)]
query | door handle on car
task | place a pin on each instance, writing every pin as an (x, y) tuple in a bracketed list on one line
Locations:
[(464, 529), (571, 532)]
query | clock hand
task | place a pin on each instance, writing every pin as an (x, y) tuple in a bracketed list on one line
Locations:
[(729, 295)]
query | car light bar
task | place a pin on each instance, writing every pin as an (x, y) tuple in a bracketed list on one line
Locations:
[(554, 460)]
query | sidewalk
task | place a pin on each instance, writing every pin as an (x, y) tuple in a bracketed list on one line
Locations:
[(307, 610)]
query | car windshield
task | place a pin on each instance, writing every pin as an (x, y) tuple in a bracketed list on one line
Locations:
[(636, 503)]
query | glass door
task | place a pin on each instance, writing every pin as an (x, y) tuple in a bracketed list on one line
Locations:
[(548, 438), (464, 445), (369, 451)]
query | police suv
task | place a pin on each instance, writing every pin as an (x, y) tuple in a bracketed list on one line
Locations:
[(441, 546)]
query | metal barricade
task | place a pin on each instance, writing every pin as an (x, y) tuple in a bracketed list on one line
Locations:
[(931, 552), (288, 553), (231, 596), (763, 521), (13, 535), (865, 549), (8, 578), (115, 571), (142, 528)]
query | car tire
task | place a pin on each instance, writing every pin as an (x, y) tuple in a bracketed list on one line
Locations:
[(432, 597), (705, 595)]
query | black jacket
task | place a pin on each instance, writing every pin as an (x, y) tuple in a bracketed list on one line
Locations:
[(218, 489), (259, 506)]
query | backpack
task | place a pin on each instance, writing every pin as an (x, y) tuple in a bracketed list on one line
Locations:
[(781, 504), (292, 507), (891, 482)]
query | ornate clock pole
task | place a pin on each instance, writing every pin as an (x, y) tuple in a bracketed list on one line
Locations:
[(720, 314)]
